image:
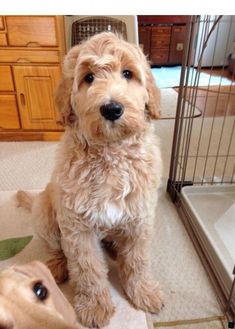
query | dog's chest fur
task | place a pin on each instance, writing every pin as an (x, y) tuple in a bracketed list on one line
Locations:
[(109, 186)]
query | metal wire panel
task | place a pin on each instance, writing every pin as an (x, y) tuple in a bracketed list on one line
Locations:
[(203, 151), (204, 148), (89, 26)]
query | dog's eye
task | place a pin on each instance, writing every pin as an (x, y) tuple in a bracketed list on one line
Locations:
[(40, 291), (89, 78), (127, 74)]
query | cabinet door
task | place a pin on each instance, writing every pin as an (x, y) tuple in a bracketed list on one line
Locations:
[(1, 23), (8, 112), (177, 44), (35, 89), (6, 81)]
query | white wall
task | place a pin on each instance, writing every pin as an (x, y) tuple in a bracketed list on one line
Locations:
[(219, 44)]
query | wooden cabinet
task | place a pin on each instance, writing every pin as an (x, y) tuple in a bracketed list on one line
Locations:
[(31, 52), (162, 38)]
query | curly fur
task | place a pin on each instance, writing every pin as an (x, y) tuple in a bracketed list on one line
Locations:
[(105, 181)]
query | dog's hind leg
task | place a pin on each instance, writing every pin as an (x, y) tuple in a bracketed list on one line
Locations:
[(46, 227), (24, 200)]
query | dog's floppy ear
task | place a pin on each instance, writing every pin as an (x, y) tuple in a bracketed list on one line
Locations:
[(64, 88), (153, 105)]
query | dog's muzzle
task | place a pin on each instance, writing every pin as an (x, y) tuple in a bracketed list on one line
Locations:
[(112, 111)]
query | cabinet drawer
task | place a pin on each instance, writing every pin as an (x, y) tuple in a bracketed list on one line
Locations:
[(156, 30), (162, 41), (6, 81), (2, 23), (159, 56), (31, 31), (3, 39), (29, 56), (8, 112)]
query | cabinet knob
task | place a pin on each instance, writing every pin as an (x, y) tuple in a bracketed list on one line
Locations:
[(22, 99), (179, 46)]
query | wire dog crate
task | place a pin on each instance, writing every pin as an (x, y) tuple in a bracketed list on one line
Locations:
[(89, 26), (202, 171)]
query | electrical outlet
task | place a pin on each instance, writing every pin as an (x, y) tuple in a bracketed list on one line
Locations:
[(179, 46)]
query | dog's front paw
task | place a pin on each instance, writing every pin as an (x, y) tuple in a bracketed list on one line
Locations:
[(145, 295), (94, 310)]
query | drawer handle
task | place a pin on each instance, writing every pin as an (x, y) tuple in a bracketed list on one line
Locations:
[(22, 60), (33, 44), (22, 99)]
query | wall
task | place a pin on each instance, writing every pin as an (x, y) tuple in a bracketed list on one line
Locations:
[(219, 44)]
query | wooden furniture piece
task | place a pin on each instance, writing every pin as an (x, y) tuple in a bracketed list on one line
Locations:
[(162, 38), (31, 52)]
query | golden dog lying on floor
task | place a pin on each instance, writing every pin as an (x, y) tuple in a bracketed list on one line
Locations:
[(104, 186), (30, 299)]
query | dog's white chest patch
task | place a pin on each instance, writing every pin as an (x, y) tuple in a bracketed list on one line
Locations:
[(108, 215), (113, 213)]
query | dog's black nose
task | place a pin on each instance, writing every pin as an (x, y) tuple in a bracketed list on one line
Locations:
[(111, 111)]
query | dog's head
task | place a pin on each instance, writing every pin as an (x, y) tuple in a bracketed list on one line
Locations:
[(107, 89), (30, 298)]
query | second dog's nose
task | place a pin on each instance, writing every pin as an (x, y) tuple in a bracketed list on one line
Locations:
[(111, 111)]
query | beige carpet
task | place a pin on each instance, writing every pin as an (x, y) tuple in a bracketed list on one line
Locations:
[(169, 103), (188, 292)]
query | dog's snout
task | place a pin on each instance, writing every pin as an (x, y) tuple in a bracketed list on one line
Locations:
[(111, 111)]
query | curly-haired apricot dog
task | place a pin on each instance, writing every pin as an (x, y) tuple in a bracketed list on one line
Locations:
[(105, 182)]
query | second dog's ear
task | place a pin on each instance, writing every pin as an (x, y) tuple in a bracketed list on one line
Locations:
[(153, 106), (64, 88)]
